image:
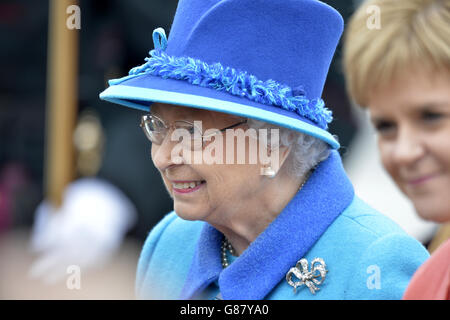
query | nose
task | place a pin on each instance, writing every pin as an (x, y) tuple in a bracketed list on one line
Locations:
[(165, 154), (408, 148)]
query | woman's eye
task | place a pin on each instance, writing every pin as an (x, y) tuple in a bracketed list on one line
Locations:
[(431, 116), (191, 130), (384, 126)]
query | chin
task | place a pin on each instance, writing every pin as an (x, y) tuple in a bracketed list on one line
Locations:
[(433, 210), (188, 212)]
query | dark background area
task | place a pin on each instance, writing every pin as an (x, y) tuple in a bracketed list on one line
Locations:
[(115, 36)]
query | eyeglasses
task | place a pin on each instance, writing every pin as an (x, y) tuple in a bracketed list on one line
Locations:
[(155, 129)]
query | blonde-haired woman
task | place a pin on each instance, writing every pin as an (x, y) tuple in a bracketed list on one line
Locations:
[(399, 68)]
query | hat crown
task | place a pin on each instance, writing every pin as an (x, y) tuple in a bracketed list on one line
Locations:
[(289, 41), (262, 59)]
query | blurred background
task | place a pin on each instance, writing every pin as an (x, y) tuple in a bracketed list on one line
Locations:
[(76, 207)]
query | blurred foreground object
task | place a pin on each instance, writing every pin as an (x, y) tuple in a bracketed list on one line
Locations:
[(86, 231), (88, 139)]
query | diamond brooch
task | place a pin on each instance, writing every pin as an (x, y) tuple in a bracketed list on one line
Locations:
[(311, 278)]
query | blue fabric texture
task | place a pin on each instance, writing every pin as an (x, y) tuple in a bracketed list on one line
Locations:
[(367, 255), (238, 83), (271, 53), (226, 104)]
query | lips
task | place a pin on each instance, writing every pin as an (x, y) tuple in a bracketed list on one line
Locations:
[(187, 186), (420, 180)]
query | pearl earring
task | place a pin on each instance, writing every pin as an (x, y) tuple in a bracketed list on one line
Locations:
[(269, 172)]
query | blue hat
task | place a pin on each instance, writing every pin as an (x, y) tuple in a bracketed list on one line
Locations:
[(262, 59)]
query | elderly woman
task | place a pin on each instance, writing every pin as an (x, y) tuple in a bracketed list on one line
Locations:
[(404, 81), (286, 225)]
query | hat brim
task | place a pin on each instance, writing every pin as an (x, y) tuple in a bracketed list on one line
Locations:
[(140, 92)]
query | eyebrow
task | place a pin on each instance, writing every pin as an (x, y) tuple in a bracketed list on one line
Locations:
[(429, 105), (190, 119), (438, 106), (417, 108), (378, 120)]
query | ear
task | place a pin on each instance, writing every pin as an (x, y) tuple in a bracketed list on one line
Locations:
[(283, 154)]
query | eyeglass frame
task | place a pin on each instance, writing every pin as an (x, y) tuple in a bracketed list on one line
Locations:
[(147, 117)]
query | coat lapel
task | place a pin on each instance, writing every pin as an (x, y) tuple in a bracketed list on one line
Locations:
[(206, 265), (286, 240)]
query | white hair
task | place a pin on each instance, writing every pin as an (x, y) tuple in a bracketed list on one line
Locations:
[(306, 151)]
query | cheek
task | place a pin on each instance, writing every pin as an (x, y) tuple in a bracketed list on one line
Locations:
[(386, 151), (246, 179), (231, 181), (440, 147), (153, 154), (386, 158)]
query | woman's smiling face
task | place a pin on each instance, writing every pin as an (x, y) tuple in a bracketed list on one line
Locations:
[(412, 118), (218, 186)]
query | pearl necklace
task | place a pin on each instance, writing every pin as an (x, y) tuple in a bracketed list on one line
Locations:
[(226, 245)]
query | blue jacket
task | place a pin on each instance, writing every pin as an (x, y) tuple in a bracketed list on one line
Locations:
[(367, 256)]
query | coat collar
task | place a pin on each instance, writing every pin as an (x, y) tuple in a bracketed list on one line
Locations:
[(288, 238)]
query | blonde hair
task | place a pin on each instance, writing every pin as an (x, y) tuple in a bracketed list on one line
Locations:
[(410, 32)]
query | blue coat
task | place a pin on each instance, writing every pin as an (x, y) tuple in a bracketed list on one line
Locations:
[(367, 256)]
